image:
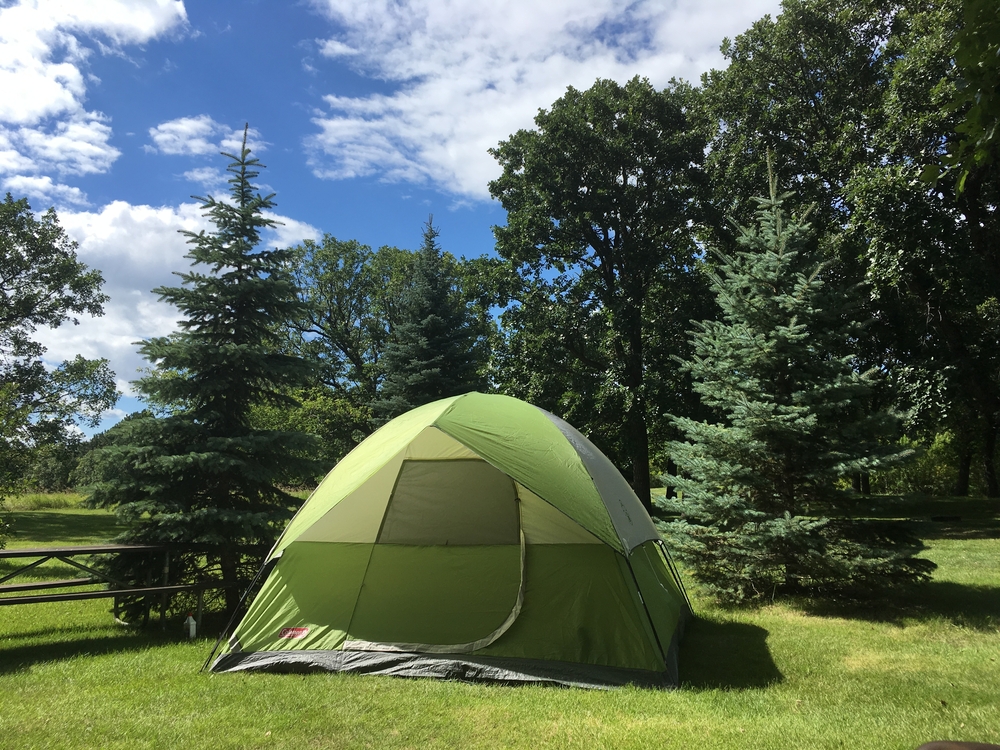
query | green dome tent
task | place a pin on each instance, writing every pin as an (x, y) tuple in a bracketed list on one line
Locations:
[(474, 538)]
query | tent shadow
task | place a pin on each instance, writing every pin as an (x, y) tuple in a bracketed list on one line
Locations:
[(18, 658), (726, 655), (965, 605)]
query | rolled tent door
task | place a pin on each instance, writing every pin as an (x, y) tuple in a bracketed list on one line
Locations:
[(446, 574)]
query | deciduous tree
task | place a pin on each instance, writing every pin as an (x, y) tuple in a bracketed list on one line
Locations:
[(601, 196), (43, 284)]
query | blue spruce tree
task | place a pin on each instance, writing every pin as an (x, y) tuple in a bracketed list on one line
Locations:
[(433, 352), (760, 511)]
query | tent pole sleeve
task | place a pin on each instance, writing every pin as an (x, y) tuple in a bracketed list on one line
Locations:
[(267, 566), (649, 617)]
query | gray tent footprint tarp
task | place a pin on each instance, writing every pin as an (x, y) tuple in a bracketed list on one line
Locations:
[(476, 538)]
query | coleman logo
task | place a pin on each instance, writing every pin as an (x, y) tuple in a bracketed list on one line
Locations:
[(293, 633)]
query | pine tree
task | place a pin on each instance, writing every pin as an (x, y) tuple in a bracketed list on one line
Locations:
[(199, 473), (760, 510), (433, 352)]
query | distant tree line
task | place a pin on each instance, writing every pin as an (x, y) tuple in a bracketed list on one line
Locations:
[(772, 293)]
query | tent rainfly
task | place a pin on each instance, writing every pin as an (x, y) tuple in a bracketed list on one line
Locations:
[(475, 538)]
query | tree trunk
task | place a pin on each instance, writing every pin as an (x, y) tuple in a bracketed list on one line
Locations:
[(866, 483), (856, 482), (989, 460), (228, 563), (639, 448), (671, 470), (635, 420), (964, 471)]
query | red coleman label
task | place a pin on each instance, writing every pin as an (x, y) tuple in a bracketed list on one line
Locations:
[(293, 633)]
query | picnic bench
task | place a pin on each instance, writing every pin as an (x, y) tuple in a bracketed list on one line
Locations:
[(113, 588)]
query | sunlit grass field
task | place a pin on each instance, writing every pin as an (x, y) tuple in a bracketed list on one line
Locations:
[(890, 675)]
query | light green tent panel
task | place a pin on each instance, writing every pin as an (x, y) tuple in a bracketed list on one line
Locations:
[(431, 443), (359, 465), (315, 586), (358, 517), (545, 524)]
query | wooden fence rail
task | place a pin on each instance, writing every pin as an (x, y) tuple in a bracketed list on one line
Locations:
[(114, 588)]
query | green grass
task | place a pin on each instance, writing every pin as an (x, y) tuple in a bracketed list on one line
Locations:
[(785, 676), (40, 500)]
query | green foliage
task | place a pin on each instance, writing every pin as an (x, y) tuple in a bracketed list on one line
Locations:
[(201, 473), (977, 59), (857, 102), (600, 201), (932, 470), (433, 351), (42, 284), (789, 420), (931, 247), (52, 466), (337, 422), (351, 297), (806, 86)]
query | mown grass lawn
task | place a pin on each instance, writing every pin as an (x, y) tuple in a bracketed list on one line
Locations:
[(891, 675)]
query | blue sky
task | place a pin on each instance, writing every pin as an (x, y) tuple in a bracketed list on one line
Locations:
[(369, 116)]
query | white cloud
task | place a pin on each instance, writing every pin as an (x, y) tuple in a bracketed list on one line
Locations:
[(137, 248), (42, 188), (290, 232), (45, 127), (471, 73), (75, 146), (209, 178), (185, 135), (333, 48), (195, 136)]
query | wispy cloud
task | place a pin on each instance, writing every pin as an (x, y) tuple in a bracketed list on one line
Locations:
[(138, 248), (195, 136), (45, 128), (42, 188), (210, 178), (471, 73)]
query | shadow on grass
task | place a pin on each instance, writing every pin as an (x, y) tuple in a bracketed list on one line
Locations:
[(727, 655), (17, 658), (964, 605), (48, 527), (959, 528)]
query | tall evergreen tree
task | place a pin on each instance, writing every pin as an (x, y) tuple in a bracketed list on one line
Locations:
[(433, 351), (759, 484), (199, 472)]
